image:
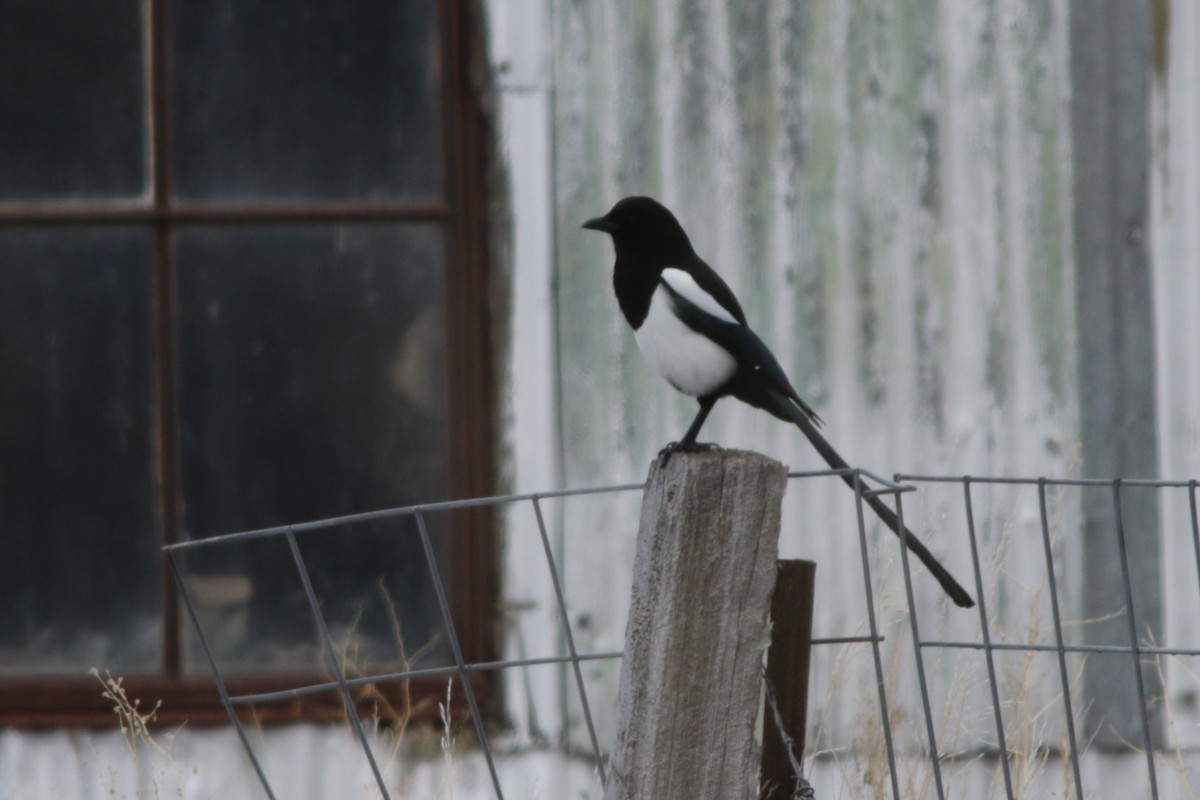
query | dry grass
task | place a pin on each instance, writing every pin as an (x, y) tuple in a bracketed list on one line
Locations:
[(135, 723), (154, 771), (390, 727)]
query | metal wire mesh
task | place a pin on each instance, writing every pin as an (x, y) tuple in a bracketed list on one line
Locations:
[(1136, 649)]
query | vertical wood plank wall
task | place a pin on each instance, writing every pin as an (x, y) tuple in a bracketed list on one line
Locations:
[(888, 188)]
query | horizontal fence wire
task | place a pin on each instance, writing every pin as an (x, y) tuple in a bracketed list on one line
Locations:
[(874, 637)]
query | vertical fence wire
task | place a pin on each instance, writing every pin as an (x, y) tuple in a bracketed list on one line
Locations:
[(873, 625), (335, 665), (988, 650), (1059, 640), (1134, 647), (1195, 526), (456, 648), (222, 689), (918, 652), (570, 637)]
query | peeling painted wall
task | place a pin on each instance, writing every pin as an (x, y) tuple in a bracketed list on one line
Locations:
[(1175, 258), (888, 188)]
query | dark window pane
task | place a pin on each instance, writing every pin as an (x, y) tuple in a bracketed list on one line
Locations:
[(82, 570), (312, 385), (329, 100), (371, 581), (72, 89)]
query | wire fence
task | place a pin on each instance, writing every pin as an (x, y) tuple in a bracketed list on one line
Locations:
[(1062, 647)]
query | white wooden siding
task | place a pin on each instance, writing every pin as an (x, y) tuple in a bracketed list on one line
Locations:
[(1175, 233), (887, 188)]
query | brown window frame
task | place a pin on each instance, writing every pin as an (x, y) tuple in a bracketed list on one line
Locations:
[(56, 700)]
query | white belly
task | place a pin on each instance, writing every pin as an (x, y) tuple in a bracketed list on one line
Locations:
[(690, 362)]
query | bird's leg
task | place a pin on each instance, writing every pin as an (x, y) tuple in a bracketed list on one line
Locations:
[(688, 442), (689, 439)]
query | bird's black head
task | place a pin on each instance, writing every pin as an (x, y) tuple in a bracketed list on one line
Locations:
[(642, 225)]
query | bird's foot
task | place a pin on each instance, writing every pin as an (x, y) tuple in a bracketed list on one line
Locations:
[(665, 454)]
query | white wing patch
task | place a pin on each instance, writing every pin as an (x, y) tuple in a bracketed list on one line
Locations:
[(685, 285), (692, 363)]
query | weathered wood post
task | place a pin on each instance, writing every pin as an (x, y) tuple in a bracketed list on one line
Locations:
[(702, 583), (787, 669)]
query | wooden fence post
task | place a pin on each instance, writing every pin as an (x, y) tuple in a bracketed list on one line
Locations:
[(787, 670), (702, 583)]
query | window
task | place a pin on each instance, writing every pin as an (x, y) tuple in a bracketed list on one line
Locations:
[(241, 285)]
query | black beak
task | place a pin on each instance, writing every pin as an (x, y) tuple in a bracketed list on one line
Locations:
[(600, 224)]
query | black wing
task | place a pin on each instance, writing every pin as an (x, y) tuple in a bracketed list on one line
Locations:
[(759, 379), (708, 280)]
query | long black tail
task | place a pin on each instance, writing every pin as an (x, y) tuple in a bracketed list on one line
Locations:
[(957, 593)]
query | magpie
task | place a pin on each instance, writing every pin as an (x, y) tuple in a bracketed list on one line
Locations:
[(692, 331)]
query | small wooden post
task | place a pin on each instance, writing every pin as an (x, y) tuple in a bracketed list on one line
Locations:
[(787, 671), (702, 582)]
